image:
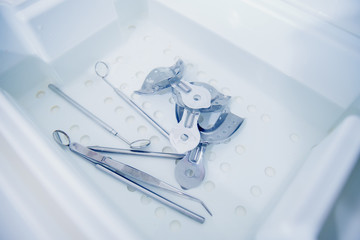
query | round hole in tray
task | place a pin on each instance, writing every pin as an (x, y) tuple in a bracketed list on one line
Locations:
[(226, 91), (140, 75), (142, 129), (255, 191), (108, 100), (265, 118), (225, 167), (189, 66), (167, 51), (130, 119), (167, 149), (160, 212), (135, 96), (240, 210), (55, 109), (131, 27), (130, 188), (175, 226), (119, 59), (119, 110), (85, 140), (209, 186), (146, 38), (146, 105), (74, 128), (40, 94), (294, 137), (145, 200), (238, 99), (154, 140), (88, 83), (251, 108), (201, 75), (240, 149), (270, 172), (159, 115), (212, 81), (123, 86)]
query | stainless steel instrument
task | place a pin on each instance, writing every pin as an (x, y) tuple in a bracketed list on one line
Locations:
[(159, 79), (217, 125), (102, 70), (131, 176), (137, 152), (141, 143), (190, 170)]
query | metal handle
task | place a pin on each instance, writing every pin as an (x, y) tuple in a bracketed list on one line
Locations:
[(137, 152), (140, 143), (154, 195), (102, 70), (155, 124), (84, 110), (129, 175)]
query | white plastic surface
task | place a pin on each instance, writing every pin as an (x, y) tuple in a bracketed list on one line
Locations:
[(301, 212), (341, 14), (299, 44), (291, 101)]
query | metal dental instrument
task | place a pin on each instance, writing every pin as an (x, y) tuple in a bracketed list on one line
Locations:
[(216, 127), (130, 175), (159, 79), (137, 152), (154, 195), (185, 136), (102, 70), (141, 143), (190, 171)]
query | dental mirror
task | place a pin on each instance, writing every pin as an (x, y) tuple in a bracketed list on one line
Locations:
[(61, 138)]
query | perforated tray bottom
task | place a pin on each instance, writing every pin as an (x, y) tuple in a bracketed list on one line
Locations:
[(245, 176)]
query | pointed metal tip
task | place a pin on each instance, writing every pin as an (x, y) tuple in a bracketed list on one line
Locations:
[(141, 92), (206, 208)]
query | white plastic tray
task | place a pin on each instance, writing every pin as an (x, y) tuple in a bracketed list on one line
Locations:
[(286, 117)]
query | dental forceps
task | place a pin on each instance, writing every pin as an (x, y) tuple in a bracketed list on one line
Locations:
[(137, 152), (131, 176)]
